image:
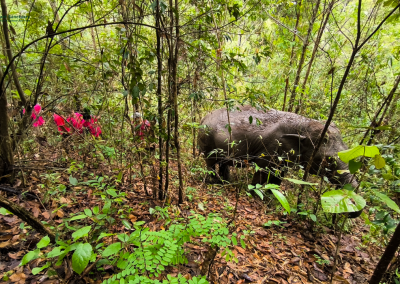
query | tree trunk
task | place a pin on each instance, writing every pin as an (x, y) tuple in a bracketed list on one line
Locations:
[(9, 53), (387, 257), (6, 152), (314, 52), (159, 97), (175, 92), (27, 217), (303, 56)]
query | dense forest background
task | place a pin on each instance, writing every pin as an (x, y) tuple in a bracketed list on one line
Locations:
[(101, 178)]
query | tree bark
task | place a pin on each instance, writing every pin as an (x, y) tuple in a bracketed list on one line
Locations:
[(303, 56), (31, 220), (9, 53), (159, 97), (387, 257), (6, 152)]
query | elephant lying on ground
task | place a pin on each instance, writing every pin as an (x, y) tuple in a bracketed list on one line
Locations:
[(277, 141)]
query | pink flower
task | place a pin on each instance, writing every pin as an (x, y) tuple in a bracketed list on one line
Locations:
[(60, 122), (23, 111), (37, 120), (77, 121), (95, 130)]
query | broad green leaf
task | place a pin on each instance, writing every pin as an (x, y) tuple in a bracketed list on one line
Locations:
[(73, 180), (282, 199), (297, 181), (389, 202), (379, 162), (106, 207), (36, 270), (96, 210), (30, 256), (55, 252), (88, 212), (78, 217), (126, 224), (341, 201), (112, 192), (243, 243), (234, 240), (354, 166), (43, 242), (83, 232), (271, 185), (4, 211), (250, 119), (102, 235), (259, 193), (112, 249), (313, 217), (360, 150), (81, 257)]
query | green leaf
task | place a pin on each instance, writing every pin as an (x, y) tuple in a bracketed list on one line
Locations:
[(259, 193), (73, 180), (88, 212), (112, 249), (243, 243), (354, 166), (341, 201), (78, 217), (234, 240), (389, 202), (96, 210), (297, 181), (43, 242), (36, 270), (55, 252), (379, 162), (360, 150), (282, 199), (126, 224), (30, 256), (83, 232), (4, 211), (250, 119), (102, 235), (112, 192), (81, 257), (313, 217)]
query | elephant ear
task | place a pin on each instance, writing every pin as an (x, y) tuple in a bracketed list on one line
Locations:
[(297, 136)]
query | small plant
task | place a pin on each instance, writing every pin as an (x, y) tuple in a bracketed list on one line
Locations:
[(274, 222), (321, 261)]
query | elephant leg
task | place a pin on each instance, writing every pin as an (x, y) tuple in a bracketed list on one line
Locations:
[(224, 172), (212, 177)]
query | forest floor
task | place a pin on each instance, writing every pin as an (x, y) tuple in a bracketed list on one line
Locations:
[(288, 253)]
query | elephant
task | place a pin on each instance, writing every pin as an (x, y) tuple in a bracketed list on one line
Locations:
[(272, 139)]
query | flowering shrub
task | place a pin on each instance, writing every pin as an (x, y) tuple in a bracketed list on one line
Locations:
[(79, 124), (36, 119), (144, 127)]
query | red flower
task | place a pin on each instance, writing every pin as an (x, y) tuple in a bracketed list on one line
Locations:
[(37, 120), (60, 122), (77, 121)]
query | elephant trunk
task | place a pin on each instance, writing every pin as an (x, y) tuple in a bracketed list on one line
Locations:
[(346, 177)]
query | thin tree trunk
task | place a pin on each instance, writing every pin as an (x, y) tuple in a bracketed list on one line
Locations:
[(314, 52), (303, 56), (159, 97), (6, 152), (175, 92), (387, 257), (9, 53), (291, 58)]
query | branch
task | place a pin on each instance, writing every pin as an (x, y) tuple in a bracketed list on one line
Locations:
[(63, 32), (31, 220)]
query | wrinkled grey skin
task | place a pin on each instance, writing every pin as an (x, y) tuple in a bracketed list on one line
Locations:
[(281, 134)]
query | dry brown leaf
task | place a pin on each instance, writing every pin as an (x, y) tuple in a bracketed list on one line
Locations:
[(46, 214), (5, 244), (60, 213), (18, 277), (36, 211), (16, 255)]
